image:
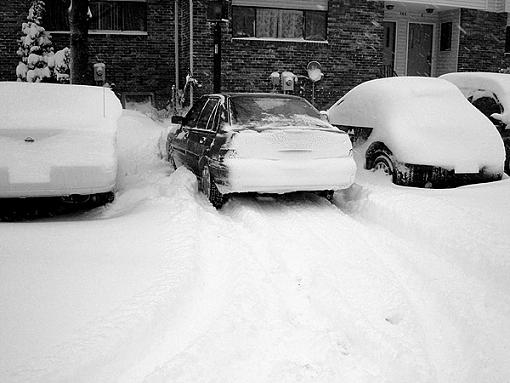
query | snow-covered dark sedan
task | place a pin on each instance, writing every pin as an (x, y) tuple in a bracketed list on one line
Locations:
[(263, 143)]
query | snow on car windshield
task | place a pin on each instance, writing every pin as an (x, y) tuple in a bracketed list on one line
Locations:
[(263, 112)]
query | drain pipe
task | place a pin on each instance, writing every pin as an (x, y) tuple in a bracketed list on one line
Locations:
[(191, 49), (176, 42)]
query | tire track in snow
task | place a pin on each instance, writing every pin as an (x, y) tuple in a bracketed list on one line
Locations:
[(342, 263), (463, 312), (305, 305), (465, 235)]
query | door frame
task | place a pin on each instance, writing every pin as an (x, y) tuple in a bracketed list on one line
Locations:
[(433, 54)]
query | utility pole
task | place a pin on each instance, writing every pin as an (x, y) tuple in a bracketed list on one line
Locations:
[(79, 27)]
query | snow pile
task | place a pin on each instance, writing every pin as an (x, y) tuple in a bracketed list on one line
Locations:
[(422, 121)]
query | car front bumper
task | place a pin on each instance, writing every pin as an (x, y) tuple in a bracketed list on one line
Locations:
[(283, 176)]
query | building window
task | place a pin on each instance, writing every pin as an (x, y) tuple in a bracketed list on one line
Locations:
[(507, 41), (107, 15), (278, 23), (446, 36)]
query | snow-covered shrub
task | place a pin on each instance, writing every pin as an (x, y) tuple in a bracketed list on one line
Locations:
[(38, 62)]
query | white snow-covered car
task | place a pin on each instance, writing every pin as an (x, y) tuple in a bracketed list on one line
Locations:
[(420, 130), (489, 93), (58, 141)]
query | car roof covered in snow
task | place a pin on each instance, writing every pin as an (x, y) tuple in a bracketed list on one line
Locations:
[(379, 102)]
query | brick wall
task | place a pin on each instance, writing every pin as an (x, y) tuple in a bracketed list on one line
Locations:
[(141, 63), (482, 41), (12, 15), (352, 54)]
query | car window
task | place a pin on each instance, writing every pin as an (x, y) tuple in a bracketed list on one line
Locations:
[(191, 118), (219, 115), (488, 104), (207, 114), (247, 109)]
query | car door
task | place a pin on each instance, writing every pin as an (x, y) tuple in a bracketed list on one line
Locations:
[(202, 134), (180, 142)]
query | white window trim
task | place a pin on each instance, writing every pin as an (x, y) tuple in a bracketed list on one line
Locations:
[(105, 32), (281, 40), (284, 4)]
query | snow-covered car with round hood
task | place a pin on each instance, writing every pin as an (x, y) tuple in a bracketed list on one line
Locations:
[(489, 93), (263, 143), (58, 141), (420, 130)]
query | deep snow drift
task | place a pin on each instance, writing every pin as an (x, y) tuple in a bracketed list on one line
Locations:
[(388, 284)]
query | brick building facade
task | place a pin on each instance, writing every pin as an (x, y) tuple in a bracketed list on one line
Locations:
[(482, 46), (358, 46)]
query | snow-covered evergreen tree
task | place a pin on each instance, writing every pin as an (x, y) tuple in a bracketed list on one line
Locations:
[(38, 62)]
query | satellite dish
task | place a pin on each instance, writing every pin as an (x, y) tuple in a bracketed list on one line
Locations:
[(314, 69)]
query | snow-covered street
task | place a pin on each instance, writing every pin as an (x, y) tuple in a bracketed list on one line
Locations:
[(387, 284)]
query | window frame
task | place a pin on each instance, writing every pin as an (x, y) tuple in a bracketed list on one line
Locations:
[(277, 27), (112, 31)]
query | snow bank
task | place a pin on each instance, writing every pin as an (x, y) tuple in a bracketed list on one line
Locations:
[(56, 106), (401, 286), (422, 121)]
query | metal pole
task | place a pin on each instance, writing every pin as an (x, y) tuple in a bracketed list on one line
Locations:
[(217, 58), (191, 49), (176, 42)]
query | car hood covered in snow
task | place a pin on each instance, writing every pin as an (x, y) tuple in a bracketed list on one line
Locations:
[(422, 121)]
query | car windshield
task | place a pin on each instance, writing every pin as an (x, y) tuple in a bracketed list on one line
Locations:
[(254, 111)]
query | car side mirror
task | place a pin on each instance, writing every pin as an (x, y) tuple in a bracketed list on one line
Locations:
[(177, 119), (324, 116), (225, 128)]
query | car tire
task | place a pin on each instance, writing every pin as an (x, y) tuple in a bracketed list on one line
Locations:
[(507, 156), (328, 194), (209, 188), (384, 163), (171, 161)]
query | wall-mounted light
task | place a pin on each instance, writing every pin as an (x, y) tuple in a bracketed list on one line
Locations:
[(429, 10), (389, 7)]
